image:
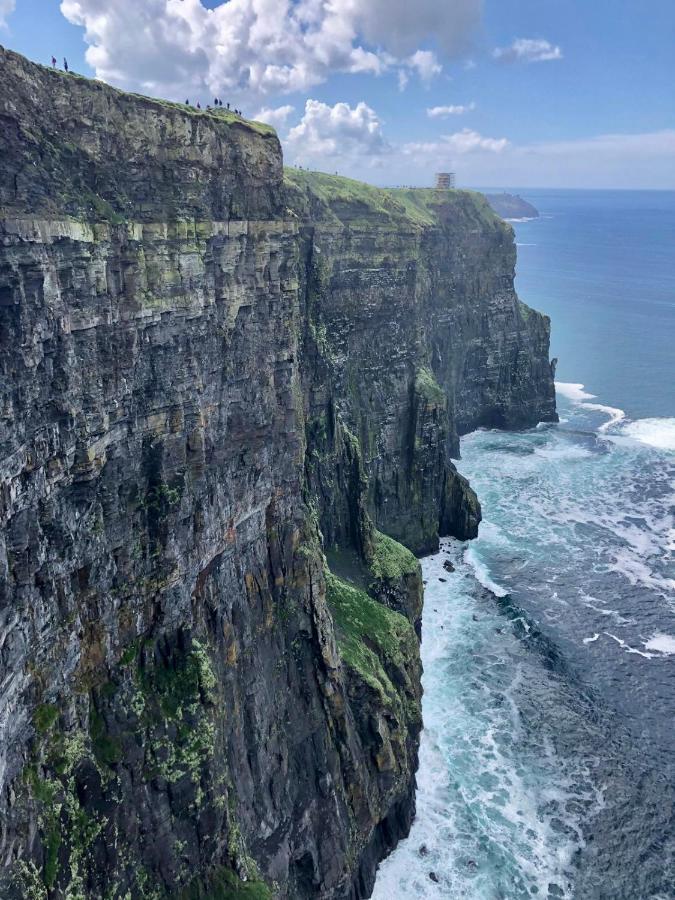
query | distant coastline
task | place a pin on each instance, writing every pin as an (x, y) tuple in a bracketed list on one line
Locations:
[(512, 206)]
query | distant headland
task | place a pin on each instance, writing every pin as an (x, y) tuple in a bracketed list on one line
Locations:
[(511, 206)]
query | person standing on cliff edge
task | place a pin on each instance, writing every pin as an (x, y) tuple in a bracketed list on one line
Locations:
[(65, 64), (53, 62)]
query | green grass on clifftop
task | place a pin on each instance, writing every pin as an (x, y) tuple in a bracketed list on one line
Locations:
[(318, 195), (344, 198), (223, 115)]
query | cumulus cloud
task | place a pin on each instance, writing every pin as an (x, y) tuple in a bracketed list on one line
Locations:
[(602, 161), (599, 161), (459, 143), (401, 26), (6, 9), (252, 48), (351, 140), (276, 117), (425, 63), (339, 131), (528, 50), (442, 112)]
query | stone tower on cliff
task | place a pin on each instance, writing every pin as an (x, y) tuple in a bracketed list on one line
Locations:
[(445, 181)]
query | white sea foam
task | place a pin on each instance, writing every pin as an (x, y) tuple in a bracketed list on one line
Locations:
[(610, 613), (591, 640), (569, 452), (670, 540), (574, 392), (489, 810), (577, 394), (636, 571), (662, 643), (658, 433), (482, 573), (627, 647), (615, 414)]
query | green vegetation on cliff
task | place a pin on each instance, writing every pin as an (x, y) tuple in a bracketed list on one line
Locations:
[(391, 560), (319, 195), (224, 115), (427, 203), (428, 388), (226, 885), (252, 359), (378, 644)]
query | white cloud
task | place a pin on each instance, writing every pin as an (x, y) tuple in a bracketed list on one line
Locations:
[(6, 9), (451, 145), (603, 161), (425, 64), (528, 50), (351, 139), (467, 141), (332, 132), (276, 117), (643, 160), (442, 112), (252, 48), (610, 146), (400, 26)]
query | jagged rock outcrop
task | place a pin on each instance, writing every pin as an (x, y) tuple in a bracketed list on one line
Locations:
[(209, 379)]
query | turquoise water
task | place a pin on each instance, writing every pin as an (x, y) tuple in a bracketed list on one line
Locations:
[(602, 265), (547, 761)]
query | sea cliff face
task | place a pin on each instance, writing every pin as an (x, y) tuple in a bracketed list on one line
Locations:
[(411, 310), (223, 398), (512, 206)]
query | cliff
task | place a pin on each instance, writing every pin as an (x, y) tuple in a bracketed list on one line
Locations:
[(411, 309), (223, 397), (512, 206)]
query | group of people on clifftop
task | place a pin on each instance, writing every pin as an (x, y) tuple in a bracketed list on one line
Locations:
[(217, 102)]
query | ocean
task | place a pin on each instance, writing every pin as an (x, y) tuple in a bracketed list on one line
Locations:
[(547, 765)]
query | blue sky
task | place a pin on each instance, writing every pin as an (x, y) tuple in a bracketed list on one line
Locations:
[(572, 93)]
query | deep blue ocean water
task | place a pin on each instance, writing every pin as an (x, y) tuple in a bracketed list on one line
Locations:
[(548, 756)]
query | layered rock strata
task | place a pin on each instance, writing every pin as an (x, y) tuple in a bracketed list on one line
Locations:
[(223, 398)]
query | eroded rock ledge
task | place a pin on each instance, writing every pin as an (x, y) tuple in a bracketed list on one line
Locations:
[(225, 398)]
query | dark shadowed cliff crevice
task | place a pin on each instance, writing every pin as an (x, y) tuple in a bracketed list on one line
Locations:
[(229, 401)]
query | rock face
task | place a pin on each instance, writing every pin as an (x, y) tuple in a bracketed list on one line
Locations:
[(411, 311), (210, 382), (512, 206)]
